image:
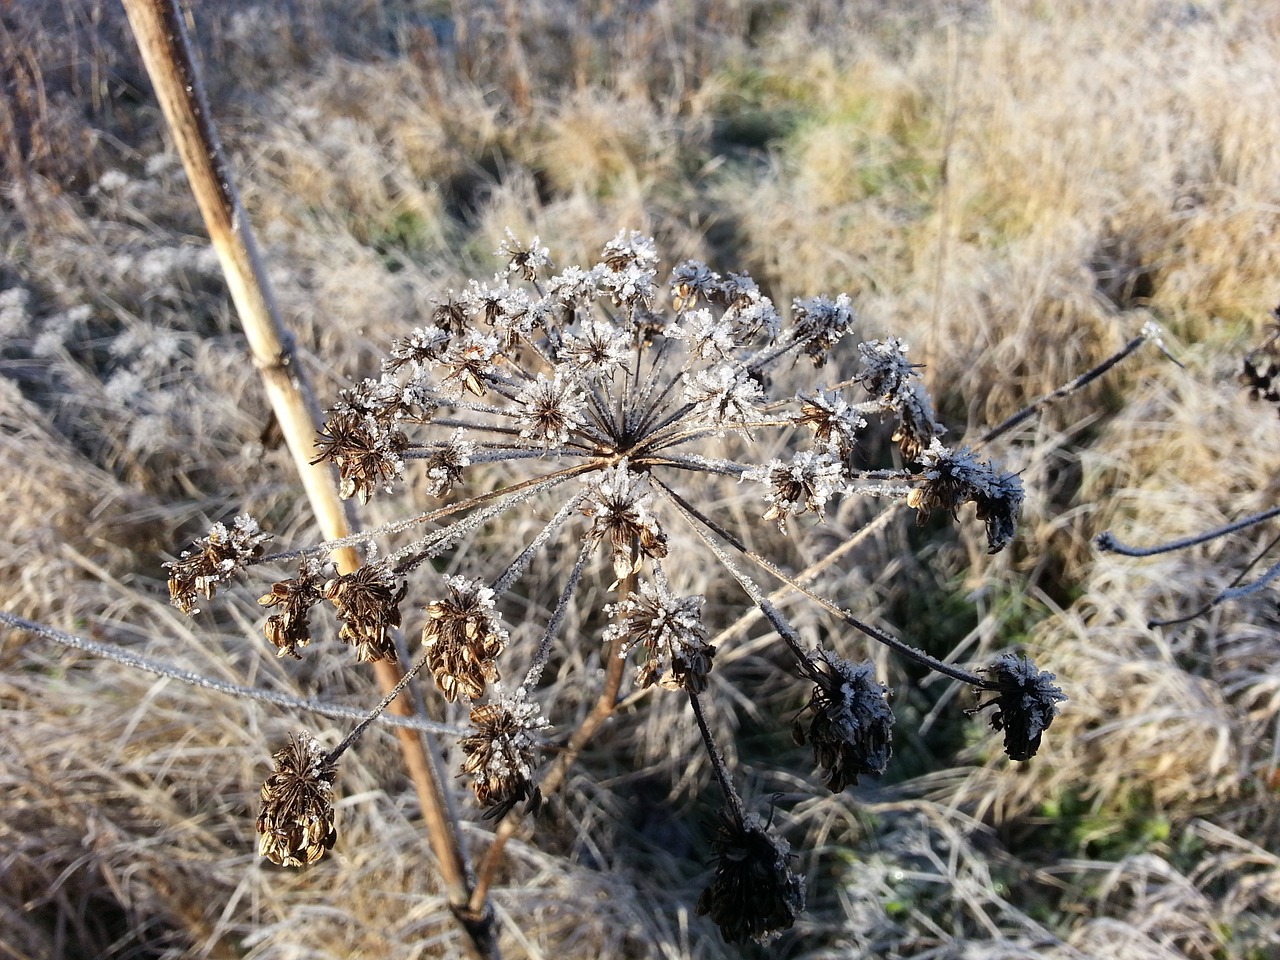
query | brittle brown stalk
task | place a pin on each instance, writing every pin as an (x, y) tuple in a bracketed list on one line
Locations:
[(160, 30), (556, 773)]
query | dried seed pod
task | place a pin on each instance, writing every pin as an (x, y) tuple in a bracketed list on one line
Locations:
[(851, 725), (288, 629), (1025, 701), (213, 559), (368, 603), (296, 822), (463, 639), (501, 753), (754, 895), (670, 629)]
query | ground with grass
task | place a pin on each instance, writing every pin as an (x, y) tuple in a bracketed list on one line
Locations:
[(1013, 188)]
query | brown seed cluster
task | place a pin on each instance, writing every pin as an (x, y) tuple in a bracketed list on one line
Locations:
[(850, 724), (296, 822), (368, 604), (620, 508), (501, 754), (288, 629), (670, 629), (462, 639), (754, 895), (213, 559), (953, 477)]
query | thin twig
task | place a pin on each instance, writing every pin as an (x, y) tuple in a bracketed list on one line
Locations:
[(161, 668)]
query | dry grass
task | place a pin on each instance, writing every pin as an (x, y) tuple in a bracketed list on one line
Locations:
[(1012, 187)]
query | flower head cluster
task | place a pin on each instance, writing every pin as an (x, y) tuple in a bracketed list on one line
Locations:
[(670, 629), (893, 382), (501, 753), (804, 485), (754, 895), (213, 559), (296, 822), (1025, 701), (462, 639), (620, 510), (368, 604), (288, 629), (850, 725), (951, 478)]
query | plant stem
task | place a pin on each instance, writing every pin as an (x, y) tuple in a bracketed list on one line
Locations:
[(160, 30), (558, 771)]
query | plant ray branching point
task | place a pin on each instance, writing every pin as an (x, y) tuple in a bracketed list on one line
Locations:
[(597, 390)]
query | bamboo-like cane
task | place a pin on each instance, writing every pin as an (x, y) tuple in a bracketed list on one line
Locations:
[(161, 34)]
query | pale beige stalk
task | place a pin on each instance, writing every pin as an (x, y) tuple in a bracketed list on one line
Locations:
[(159, 29)]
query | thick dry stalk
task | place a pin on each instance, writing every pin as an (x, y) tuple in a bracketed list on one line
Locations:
[(159, 29)]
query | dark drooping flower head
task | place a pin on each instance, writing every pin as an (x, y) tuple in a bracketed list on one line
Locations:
[(296, 822), (851, 725), (1025, 701), (754, 895)]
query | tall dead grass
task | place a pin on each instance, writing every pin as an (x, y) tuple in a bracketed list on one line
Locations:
[(1013, 187)]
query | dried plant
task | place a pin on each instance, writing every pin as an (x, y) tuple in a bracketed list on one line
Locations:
[(602, 392), (1259, 368)]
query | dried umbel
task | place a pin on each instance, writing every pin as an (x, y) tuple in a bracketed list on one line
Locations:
[(671, 631), (368, 604), (289, 629), (1025, 703), (213, 559), (849, 723), (951, 478), (754, 895), (462, 639), (296, 822), (501, 753), (615, 415)]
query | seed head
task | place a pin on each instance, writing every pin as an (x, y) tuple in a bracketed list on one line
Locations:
[(288, 629), (954, 477), (835, 424), (851, 725), (754, 895), (550, 410), (296, 822), (213, 559), (806, 484), (525, 259), (501, 753), (820, 323), (463, 638), (366, 448), (619, 506), (671, 631), (1025, 701), (368, 604)]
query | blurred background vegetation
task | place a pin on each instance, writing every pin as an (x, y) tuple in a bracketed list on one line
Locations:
[(1014, 188)]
